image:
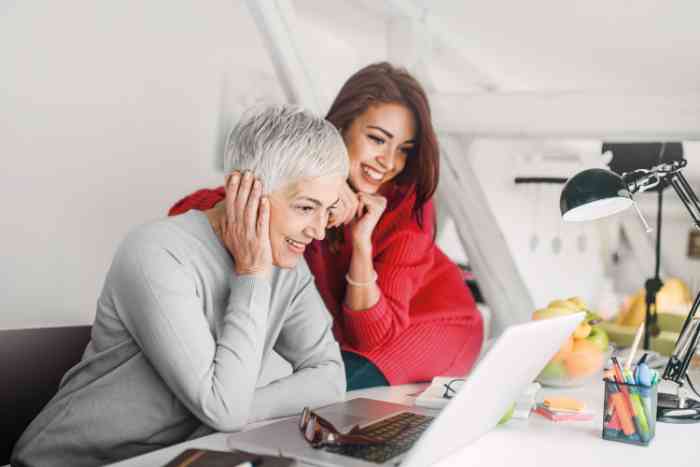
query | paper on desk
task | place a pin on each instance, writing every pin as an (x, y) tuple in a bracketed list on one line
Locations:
[(433, 396)]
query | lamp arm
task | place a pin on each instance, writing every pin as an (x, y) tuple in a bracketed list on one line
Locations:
[(687, 196), (646, 179), (685, 346), (641, 179), (690, 333)]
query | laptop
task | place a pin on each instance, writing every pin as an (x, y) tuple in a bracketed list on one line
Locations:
[(512, 362)]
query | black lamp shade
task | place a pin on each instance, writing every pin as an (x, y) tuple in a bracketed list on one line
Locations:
[(593, 194)]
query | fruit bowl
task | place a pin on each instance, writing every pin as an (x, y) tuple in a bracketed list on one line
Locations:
[(581, 363), (585, 352)]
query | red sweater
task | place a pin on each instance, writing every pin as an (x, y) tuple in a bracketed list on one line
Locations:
[(426, 322)]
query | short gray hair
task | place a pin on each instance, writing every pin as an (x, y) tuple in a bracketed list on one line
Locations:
[(284, 143)]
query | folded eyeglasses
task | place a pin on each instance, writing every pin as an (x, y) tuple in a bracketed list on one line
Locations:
[(452, 387), (319, 432)]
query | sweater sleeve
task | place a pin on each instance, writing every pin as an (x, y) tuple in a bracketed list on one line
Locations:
[(402, 262), (156, 297), (306, 341), (201, 200)]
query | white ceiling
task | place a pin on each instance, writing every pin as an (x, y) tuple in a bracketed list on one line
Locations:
[(553, 45)]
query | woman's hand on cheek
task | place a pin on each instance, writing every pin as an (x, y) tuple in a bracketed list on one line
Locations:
[(346, 208), (246, 225), (369, 211)]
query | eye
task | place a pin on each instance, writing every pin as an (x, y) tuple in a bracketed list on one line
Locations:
[(304, 209), (376, 139), (407, 150)]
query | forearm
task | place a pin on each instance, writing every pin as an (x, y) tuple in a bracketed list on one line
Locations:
[(361, 271), (230, 381), (312, 386), (307, 343)]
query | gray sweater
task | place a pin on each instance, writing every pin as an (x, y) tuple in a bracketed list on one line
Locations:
[(177, 347)]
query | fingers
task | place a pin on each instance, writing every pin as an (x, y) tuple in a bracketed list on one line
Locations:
[(347, 207), (263, 224), (360, 207), (369, 211), (243, 192), (251, 208), (370, 205), (232, 183), (244, 188)]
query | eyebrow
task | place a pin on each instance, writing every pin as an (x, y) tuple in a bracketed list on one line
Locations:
[(388, 134), (311, 200), (317, 202)]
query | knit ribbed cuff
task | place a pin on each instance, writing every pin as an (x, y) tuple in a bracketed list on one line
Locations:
[(367, 328)]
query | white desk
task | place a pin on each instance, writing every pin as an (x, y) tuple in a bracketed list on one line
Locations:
[(534, 442)]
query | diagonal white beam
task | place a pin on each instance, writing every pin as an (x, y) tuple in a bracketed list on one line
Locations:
[(611, 117), (408, 45), (483, 240), (276, 22)]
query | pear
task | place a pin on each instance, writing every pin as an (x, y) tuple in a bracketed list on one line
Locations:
[(630, 307), (582, 330), (552, 312), (577, 302), (637, 311), (562, 304)]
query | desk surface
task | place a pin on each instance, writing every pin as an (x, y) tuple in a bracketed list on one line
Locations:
[(533, 442)]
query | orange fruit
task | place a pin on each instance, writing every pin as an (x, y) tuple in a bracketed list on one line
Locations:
[(585, 359), (564, 351)]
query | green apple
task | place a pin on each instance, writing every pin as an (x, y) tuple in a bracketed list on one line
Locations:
[(553, 370), (508, 415), (599, 338)]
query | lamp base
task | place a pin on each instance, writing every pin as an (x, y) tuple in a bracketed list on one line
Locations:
[(669, 410)]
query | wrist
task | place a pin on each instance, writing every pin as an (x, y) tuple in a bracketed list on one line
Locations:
[(362, 247), (263, 273), (367, 283)]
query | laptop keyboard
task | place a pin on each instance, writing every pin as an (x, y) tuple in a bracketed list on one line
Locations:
[(409, 427)]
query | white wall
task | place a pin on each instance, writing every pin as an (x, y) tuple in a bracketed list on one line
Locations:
[(108, 115), (529, 215)]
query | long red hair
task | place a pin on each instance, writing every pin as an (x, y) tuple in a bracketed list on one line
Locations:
[(381, 83)]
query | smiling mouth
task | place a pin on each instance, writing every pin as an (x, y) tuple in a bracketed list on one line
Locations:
[(372, 174), (296, 245)]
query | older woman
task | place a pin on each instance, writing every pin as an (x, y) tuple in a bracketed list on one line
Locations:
[(193, 306)]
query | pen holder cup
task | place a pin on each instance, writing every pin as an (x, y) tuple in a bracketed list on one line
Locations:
[(629, 412)]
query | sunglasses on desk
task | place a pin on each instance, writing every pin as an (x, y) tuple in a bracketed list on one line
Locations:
[(319, 432)]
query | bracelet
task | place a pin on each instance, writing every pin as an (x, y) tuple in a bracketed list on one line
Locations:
[(361, 284)]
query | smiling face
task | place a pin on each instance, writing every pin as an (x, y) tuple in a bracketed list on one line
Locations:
[(379, 141), (299, 214)]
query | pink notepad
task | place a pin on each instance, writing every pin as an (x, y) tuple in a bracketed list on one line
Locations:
[(563, 416)]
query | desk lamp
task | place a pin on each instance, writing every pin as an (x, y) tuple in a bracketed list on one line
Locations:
[(597, 193)]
